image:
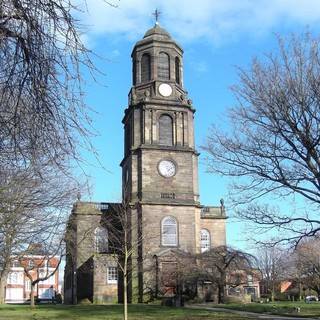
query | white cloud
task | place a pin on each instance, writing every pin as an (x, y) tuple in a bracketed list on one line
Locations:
[(214, 20)]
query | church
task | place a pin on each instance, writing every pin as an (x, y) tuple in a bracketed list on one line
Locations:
[(160, 187)]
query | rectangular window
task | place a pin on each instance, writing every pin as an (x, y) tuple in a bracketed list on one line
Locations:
[(15, 278), (27, 285), (12, 278), (31, 264), (112, 275), (15, 264)]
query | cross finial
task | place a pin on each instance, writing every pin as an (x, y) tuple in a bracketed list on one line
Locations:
[(156, 13)]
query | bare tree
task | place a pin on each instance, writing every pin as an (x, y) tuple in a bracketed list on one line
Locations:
[(178, 277), (42, 112), (272, 148), (125, 238), (273, 263), (44, 121), (128, 244), (216, 264), (32, 210), (308, 264)]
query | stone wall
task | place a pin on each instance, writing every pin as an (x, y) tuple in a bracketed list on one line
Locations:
[(153, 215), (104, 292), (154, 187)]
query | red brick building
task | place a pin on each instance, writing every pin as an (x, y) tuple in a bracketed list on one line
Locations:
[(18, 286)]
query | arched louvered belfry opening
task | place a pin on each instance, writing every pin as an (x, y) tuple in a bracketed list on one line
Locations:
[(134, 73), (177, 70), (145, 67), (163, 66), (165, 130)]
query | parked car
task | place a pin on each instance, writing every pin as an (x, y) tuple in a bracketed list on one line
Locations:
[(311, 298)]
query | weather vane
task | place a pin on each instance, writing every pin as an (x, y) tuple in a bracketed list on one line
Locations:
[(156, 13)]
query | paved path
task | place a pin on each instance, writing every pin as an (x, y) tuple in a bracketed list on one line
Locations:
[(252, 315)]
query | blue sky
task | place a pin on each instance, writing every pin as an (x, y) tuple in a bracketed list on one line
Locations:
[(217, 36)]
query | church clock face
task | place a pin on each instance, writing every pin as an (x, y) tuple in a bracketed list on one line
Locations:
[(167, 168), (165, 89)]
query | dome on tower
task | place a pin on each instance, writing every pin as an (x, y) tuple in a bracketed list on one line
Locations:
[(157, 32)]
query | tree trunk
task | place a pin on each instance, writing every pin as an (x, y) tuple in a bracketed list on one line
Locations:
[(220, 293), (272, 296), (300, 290), (318, 293), (32, 302), (272, 292), (125, 293), (3, 282)]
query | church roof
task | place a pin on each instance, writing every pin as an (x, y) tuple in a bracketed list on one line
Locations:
[(157, 31)]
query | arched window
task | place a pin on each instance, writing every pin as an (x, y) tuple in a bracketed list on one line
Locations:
[(101, 240), (169, 232), (177, 70), (145, 67), (164, 66), (204, 240), (165, 130)]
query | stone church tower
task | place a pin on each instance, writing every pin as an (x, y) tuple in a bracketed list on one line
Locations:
[(159, 168)]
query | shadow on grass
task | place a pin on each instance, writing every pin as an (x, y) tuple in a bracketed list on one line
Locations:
[(108, 312)]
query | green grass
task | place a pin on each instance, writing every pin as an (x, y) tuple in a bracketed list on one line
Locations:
[(281, 307), (108, 312)]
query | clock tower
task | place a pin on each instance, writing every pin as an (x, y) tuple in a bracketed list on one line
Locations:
[(160, 165), (160, 160)]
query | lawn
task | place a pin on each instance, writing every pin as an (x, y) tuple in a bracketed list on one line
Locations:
[(281, 307), (109, 312)]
